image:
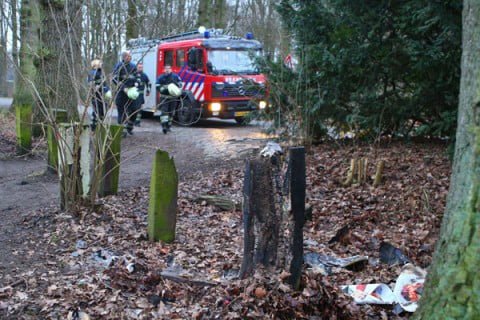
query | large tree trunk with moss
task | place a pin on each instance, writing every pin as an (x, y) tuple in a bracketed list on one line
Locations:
[(3, 52), (59, 55), (453, 284), (25, 78)]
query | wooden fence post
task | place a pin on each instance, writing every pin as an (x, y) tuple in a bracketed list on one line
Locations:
[(260, 222), (297, 195), (23, 128), (60, 115), (109, 140), (162, 210), (73, 163)]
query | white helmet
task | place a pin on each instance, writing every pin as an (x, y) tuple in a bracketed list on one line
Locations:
[(133, 93), (173, 90)]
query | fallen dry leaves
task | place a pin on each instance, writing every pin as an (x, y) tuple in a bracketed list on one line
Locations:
[(101, 263)]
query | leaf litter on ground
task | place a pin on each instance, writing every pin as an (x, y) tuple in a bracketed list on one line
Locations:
[(101, 263)]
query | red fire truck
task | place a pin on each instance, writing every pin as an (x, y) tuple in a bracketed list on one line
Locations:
[(218, 74)]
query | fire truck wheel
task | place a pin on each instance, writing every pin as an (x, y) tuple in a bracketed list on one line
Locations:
[(241, 120), (185, 114)]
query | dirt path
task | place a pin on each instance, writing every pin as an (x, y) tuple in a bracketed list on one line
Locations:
[(24, 187)]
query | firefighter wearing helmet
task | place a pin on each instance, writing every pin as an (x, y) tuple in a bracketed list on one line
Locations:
[(144, 87), (99, 91), (169, 85), (127, 91)]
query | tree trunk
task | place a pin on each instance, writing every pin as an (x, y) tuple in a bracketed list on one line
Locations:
[(204, 13), (3, 53), (29, 22), (219, 14), (132, 21), (13, 10), (452, 287), (58, 56)]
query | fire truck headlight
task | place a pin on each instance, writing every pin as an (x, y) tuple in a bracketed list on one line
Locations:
[(215, 106), (219, 85), (262, 105)]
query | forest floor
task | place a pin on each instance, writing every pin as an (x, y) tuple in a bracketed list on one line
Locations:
[(53, 262)]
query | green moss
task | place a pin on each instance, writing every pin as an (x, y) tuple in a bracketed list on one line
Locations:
[(109, 142), (23, 126), (162, 211), (60, 115)]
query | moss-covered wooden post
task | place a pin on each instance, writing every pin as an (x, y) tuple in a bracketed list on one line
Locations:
[(162, 211), (23, 121), (109, 140), (60, 115)]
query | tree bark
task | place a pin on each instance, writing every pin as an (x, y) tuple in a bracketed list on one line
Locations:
[(13, 10), (297, 196), (3, 53), (260, 222), (132, 21), (452, 287), (29, 22), (58, 56), (204, 13), (219, 14)]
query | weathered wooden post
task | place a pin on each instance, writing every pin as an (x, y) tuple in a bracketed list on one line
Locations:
[(60, 116), (73, 163), (109, 140), (162, 210), (378, 173), (274, 212), (261, 220), (23, 128), (297, 167), (260, 223)]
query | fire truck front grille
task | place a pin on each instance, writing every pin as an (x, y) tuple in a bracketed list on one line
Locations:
[(230, 90)]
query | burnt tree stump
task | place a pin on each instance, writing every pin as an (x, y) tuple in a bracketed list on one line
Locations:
[(297, 199), (260, 220), (274, 213)]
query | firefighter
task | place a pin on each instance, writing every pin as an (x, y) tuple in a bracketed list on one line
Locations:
[(144, 87), (127, 91), (99, 91), (169, 85)]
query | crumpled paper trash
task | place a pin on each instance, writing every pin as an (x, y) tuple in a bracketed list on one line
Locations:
[(271, 149), (407, 291)]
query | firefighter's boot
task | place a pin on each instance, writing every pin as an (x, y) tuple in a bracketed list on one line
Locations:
[(164, 121)]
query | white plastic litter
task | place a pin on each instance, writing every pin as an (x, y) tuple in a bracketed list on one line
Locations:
[(407, 291), (271, 149)]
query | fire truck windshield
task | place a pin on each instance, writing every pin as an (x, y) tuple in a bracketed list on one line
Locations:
[(231, 62)]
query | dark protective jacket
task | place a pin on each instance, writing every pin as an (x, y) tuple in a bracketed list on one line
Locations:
[(143, 82), (98, 82), (166, 79), (124, 75)]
